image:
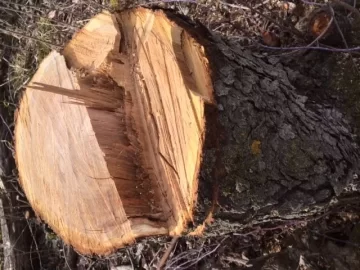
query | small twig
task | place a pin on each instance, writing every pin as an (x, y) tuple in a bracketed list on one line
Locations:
[(259, 229), (343, 39), (36, 245), (348, 7), (182, 255), (6, 22), (155, 256), (309, 46), (167, 253), (355, 49), (261, 4), (20, 5), (314, 41), (171, 1), (14, 65), (21, 86), (20, 200), (4, 122), (202, 245), (13, 33), (131, 261), (312, 3), (291, 29), (91, 265), (11, 47), (338, 28), (67, 264), (238, 6), (8, 81), (345, 5), (8, 145), (188, 1), (187, 266), (40, 17), (146, 266), (335, 239)]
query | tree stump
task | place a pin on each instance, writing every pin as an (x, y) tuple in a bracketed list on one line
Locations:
[(148, 123), (110, 149)]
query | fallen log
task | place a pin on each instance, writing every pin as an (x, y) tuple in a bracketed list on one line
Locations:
[(148, 124)]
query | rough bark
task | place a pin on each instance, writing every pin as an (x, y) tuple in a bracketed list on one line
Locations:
[(273, 153)]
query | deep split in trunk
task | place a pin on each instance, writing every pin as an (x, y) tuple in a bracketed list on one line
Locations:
[(119, 138), (113, 143)]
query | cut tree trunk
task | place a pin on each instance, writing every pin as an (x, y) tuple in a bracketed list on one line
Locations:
[(110, 150), (148, 124)]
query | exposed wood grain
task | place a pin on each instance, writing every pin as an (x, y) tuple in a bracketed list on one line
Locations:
[(110, 150)]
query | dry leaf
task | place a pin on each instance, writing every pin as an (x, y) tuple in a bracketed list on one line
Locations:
[(270, 39), (52, 14)]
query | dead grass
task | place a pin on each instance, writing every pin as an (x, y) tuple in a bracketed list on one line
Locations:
[(45, 31), (114, 4)]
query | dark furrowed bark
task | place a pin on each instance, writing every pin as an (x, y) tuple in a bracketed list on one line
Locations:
[(270, 153), (280, 156)]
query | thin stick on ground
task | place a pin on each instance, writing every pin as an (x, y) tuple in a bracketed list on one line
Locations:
[(185, 254), (155, 256), (291, 29), (167, 253), (14, 34), (130, 258), (312, 3), (329, 49), (191, 262), (348, 7), (20, 5), (186, 265), (66, 261), (91, 265), (173, 1), (338, 28), (336, 239), (36, 245), (7, 126), (37, 16), (344, 39), (345, 5), (309, 46)]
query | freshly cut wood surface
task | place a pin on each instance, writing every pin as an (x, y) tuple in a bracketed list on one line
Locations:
[(109, 135)]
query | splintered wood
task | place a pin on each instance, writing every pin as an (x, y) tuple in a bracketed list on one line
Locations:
[(109, 134)]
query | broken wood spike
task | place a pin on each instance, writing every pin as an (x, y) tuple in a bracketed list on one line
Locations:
[(319, 23), (109, 134), (322, 25)]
